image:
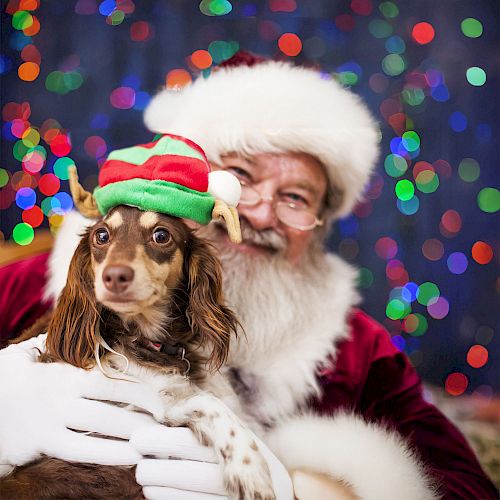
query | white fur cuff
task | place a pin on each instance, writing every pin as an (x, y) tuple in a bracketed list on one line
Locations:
[(375, 462)]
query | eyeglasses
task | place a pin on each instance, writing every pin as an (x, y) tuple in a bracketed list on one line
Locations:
[(287, 212)]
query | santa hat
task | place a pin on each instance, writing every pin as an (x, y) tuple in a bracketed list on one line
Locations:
[(250, 105), (170, 175)]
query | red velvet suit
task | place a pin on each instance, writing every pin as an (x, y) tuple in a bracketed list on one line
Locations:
[(370, 376)]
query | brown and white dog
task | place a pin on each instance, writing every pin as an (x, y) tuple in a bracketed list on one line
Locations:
[(143, 299)]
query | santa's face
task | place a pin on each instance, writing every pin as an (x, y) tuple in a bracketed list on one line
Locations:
[(279, 181)]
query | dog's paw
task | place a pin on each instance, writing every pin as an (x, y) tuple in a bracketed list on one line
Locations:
[(247, 477)]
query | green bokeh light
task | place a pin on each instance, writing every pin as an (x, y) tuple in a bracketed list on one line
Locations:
[(221, 50), (413, 96), (427, 181), (19, 150), (347, 78), (411, 140), (4, 177), (117, 17), (469, 170), (365, 278), (476, 76), (23, 234), (416, 324), (380, 28), (389, 9), (397, 309), (22, 20), (395, 165), (61, 166), (471, 27), (405, 190), (393, 64), (488, 200), (427, 291)]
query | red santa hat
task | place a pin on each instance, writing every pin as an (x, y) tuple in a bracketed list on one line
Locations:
[(251, 105)]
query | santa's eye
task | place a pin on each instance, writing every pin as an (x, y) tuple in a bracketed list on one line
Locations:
[(101, 236), (161, 236)]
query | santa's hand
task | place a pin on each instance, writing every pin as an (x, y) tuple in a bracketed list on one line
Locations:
[(183, 469), (43, 404)]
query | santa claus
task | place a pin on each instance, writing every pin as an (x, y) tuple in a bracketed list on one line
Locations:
[(342, 407)]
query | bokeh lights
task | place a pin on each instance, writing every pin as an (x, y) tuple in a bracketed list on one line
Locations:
[(424, 238)]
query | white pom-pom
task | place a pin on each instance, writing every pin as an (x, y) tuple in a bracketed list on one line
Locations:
[(224, 186)]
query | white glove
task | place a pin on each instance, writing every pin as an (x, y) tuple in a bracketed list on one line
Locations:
[(41, 402), (186, 470)]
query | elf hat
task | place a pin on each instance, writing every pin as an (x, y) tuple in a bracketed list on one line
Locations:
[(170, 175), (251, 105)]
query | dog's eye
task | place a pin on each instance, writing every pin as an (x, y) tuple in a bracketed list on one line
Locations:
[(161, 236), (101, 236)]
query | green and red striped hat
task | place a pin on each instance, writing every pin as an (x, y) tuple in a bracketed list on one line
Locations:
[(169, 175)]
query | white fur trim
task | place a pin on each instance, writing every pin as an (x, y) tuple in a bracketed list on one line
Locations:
[(374, 461), (275, 107), (66, 241), (290, 333)]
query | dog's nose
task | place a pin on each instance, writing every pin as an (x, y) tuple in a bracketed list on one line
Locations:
[(117, 278)]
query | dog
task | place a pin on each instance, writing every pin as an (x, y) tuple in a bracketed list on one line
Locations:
[(143, 299)]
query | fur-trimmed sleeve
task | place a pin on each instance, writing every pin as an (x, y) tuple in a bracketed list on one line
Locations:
[(373, 461), (376, 381)]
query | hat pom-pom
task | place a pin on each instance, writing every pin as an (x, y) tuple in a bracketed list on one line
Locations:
[(223, 185)]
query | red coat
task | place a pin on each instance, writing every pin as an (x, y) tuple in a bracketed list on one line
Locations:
[(370, 377)]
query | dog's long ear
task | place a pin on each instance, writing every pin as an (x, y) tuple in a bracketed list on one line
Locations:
[(210, 320), (71, 333)]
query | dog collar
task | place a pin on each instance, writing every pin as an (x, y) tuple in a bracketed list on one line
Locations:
[(171, 350)]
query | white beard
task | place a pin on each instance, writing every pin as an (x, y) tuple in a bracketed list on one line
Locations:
[(292, 316)]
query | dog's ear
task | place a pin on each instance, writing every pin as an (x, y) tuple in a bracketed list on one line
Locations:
[(210, 320), (71, 334)]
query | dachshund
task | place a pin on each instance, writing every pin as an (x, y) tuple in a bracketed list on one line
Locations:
[(144, 299)]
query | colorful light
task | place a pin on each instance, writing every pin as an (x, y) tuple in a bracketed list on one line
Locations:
[(404, 189), (95, 146), (488, 200), (482, 253), (25, 198), (471, 27), (476, 76), (468, 170), (140, 31), (395, 165), (458, 121), (61, 166), (290, 44), (451, 222), (438, 308), (23, 234), (201, 59), (178, 78), (33, 216), (393, 64), (423, 33), (415, 324), (432, 249), (456, 384), (386, 248), (389, 9), (426, 292), (122, 98), (408, 207), (28, 71), (477, 356), (49, 184)]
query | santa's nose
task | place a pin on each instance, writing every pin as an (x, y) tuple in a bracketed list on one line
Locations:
[(117, 278), (260, 216)]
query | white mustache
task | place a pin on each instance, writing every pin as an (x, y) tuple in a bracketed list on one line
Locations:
[(267, 238)]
